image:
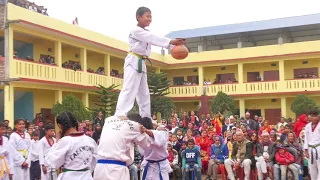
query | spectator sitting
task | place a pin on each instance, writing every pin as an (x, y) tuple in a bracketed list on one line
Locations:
[(285, 160), (191, 160), (173, 160)]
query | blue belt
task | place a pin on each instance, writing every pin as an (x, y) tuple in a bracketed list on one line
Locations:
[(106, 161), (145, 170)]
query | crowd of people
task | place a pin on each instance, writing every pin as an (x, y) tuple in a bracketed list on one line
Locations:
[(31, 6), (208, 145)]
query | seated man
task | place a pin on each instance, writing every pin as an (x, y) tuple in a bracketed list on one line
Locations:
[(242, 156), (191, 159), (173, 160)]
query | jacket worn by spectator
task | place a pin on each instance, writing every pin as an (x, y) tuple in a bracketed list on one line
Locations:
[(243, 150), (282, 158), (271, 150)]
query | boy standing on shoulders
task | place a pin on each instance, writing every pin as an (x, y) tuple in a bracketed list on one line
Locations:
[(312, 145), (135, 85)]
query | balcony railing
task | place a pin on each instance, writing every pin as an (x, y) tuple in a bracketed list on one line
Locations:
[(45, 72)]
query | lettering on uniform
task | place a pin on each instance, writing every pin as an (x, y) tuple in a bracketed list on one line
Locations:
[(79, 151), (190, 155)]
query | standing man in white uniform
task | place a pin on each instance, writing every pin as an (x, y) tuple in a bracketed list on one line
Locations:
[(135, 85), (116, 148), (312, 145)]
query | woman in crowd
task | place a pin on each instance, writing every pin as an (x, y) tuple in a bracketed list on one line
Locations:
[(204, 143), (218, 153)]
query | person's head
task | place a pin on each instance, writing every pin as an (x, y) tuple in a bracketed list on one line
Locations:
[(192, 113), (265, 123), (66, 121), (189, 132), (146, 122), (179, 132), (163, 122), (205, 125), (217, 140), (273, 137), (232, 119), (35, 136), (240, 135), (260, 119), (208, 116), (40, 124), (181, 124), (204, 134), (6, 122), (247, 116), (174, 138), (190, 143), (234, 137), (282, 128), (169, 147), (2, 128), (190, 125), (98, 127), (143, 16), (282, 120), (314, 116), (173, 124), (9, 130), (100, 114), (183, 145), (19, 125), (256, 117), (265, 136), (273, 131), (254, 137), (30, 131), (291, 137), (287, 129), (49, 129)]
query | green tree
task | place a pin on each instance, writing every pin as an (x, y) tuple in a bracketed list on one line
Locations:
[(302, 104), (105, 99), (74, 105), (158, 86), (224, 104)]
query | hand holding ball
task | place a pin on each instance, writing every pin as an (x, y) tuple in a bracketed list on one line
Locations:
[(179, 52)]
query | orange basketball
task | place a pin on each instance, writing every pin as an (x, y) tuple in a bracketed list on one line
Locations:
[(179, 52)]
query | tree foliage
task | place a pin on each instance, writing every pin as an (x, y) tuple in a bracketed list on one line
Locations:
[(74, 105), (158, 86), (303, 104), (224, 104), (105, 99)]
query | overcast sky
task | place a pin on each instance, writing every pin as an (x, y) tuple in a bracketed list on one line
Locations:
[(115, 18)]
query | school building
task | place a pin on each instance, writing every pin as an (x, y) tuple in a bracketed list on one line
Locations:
[(262, 65)]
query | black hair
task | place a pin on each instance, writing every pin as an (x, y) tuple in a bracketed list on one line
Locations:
[(2, 124), (146, 122), (35, 133), (141, 11), (67, 120), (49, 126), (314, 112), (17, 122), (190, 141)]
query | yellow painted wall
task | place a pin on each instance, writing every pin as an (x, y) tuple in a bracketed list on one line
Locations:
[(117, 64), (258, 67), (68, 53), (180, 73), (211, 72), (95, 60), (41, 47), (186, 106), (289, 66), (42, 99), (77, 95), (262, 104)]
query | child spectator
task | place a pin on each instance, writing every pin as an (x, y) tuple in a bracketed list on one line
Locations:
[(173, 160), (135, 166), (175, 143), (285, 160), (35, 170), (191, 160)]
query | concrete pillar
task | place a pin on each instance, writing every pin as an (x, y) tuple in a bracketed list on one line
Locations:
[(284, 107), (8, 53), (107, 67), (58, 53), (242, 107), (281, 70), (158, 70), (85, 99), (240, 73), (201, 79), (83, 59), (58, 96), (9, 104)]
